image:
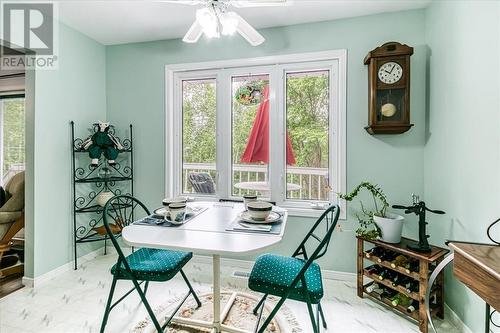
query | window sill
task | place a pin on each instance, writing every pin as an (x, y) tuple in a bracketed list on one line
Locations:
[(309, 212), (292, 210)]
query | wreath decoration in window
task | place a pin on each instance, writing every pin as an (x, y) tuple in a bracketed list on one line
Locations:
[(249, 94)]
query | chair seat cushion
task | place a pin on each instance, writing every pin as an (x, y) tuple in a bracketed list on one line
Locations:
[(273, 274), (153, 264)]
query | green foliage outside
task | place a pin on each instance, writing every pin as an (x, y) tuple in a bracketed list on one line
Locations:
[(199, 108), (307, 120), (13, 133), (307, 123)]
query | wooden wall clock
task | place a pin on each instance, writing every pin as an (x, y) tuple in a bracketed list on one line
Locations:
[(389, 88)]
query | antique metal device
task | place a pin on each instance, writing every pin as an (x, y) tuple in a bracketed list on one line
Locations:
[(419, 209)]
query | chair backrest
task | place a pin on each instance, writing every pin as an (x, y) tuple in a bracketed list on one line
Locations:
[(202, 182), (328, 220), (119, 212)]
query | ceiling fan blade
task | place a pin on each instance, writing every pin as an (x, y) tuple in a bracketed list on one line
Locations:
[(248, 32), (258, 3), (194, 33)]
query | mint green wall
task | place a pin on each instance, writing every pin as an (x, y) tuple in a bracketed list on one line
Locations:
[(462, 153), (135, 88), (76, 91), (455, 107)]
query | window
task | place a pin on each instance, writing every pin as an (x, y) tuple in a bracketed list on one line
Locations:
[(198, 126), (254, 127), (307, 126), (249, 149), (11, 136)]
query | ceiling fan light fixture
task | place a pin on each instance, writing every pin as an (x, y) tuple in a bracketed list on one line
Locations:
[(214, 20), (207, 19), (229, 22)]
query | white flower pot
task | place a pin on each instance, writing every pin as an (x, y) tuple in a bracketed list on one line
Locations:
[(103, 197), (390, 226)]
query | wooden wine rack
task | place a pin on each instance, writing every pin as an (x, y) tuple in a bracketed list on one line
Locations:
[(424, 259)]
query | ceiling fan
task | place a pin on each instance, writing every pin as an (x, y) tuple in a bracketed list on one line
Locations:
[(215, 19)]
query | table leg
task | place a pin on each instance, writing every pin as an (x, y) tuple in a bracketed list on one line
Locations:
[(487, 319), (216, 285)]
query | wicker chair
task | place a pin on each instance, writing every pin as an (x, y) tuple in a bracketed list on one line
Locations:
[(202, 182), (11, 222)]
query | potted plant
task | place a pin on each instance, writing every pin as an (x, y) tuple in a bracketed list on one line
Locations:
[(376, 223)]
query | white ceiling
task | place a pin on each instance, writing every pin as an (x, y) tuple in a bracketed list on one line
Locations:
[(117, 22)]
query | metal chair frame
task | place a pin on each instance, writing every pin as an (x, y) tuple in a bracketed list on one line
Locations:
[(116, 209), (330, 217)]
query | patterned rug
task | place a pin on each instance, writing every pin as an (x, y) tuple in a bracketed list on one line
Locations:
[(240, 315)]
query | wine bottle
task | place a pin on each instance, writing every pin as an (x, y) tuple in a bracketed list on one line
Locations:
[(374, 269), (400, 280), (394, 278), (412, 286), (404, 280), (413, 266), (384, 274), (376, 251), (374, 287), (412, 307), (400, 299), (399, 261), (388, 293), (407, 267), (387, 256)]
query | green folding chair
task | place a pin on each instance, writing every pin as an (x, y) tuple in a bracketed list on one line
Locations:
[(297, 277), (144, 264)]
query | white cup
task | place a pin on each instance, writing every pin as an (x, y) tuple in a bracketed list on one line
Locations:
[(177, 212), (168, 201), (248, 198)]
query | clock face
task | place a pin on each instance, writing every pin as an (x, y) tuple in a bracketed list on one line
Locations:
[(390, 72)]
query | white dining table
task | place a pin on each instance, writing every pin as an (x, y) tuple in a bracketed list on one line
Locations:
[(206, 234)]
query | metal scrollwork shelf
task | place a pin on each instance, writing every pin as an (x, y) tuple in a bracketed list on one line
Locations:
[(89, 182)]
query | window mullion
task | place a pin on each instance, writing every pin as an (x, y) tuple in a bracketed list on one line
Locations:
[(1, 140), (223, 154), (173, 179), (276, 135)]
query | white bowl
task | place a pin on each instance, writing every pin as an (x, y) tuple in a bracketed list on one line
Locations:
[(259, 210), (168, 201)]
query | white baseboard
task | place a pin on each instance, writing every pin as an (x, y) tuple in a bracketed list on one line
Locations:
[(246, 265), (455, 320), (35, 282)]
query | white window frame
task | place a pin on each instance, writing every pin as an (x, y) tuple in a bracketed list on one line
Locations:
[(276, 66)]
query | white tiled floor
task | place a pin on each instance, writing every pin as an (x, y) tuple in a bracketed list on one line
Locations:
[(74, 302)]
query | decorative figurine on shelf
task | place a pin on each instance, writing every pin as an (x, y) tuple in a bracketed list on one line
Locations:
[(102, 142), (419, 209)]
